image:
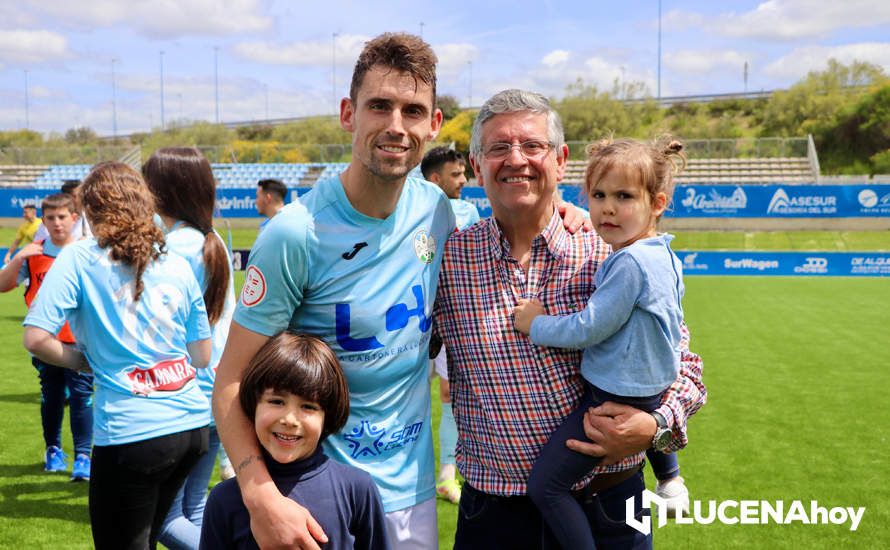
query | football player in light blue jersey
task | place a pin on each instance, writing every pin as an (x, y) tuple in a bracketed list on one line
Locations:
[(270, 198), (181, 180), (445, 167), (139, 316), (355, 262)]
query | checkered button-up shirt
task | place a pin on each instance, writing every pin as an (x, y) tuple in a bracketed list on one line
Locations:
[(509, 395)]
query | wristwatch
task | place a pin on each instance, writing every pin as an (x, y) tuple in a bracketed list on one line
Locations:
[(663, 434)]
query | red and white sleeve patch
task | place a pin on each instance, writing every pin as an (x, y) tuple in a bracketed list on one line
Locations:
[(254, 289)]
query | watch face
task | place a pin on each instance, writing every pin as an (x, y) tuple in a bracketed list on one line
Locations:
[(662, 439)]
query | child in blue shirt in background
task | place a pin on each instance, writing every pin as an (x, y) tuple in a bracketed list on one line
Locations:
[(295, 393), (630, 328), (31, 264)]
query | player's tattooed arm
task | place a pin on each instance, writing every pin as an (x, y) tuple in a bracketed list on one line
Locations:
[(247, 462)]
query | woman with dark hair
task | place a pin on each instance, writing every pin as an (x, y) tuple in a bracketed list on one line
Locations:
[(138, 316), (181, 180)]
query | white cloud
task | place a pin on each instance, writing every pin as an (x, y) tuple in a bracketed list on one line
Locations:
[(803, 60), (42, 92), (346, 49), (787, 19), (32, 46), (453, 59), (161, 18), (551, 80), (556, 57), (193, 98), (698, 62), (602, 71)]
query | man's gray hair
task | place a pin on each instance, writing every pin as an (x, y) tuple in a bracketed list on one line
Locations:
[(515, 101)]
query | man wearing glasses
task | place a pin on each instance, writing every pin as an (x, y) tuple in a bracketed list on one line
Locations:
[(509, 395)]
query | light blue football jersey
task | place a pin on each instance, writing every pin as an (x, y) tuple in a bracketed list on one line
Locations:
[(366, 286), (465, 213), (145, 384), (188, 242)]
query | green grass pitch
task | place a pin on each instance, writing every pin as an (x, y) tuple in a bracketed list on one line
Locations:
[(797, 370)]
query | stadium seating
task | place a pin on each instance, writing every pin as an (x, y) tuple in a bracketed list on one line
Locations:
[(55, 175), (786, 170), (21, 175)]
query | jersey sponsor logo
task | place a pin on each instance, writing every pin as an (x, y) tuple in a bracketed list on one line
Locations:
[(351, 254), (396, 318), (254, 289), (170, 375), (424, 246), (368, 440)]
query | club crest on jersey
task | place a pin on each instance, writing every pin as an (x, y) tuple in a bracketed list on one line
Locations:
[(254, 289), (170, 375), (424, 246)]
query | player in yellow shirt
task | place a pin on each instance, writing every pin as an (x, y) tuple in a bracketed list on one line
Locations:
[(25, 232)]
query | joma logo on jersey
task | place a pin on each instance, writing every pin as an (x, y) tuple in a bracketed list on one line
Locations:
[(397, 318)]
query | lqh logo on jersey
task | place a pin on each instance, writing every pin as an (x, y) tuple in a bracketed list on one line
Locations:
[(254, 289), (424, 246)]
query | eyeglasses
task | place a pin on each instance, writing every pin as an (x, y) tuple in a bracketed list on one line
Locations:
[(532, 149)]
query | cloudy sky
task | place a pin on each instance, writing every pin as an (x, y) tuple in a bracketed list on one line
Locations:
[(277, 58)]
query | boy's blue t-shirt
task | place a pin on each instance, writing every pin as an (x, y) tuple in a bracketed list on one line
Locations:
[(188, 242), (465, 213), (630, 328), (366, 286), (145, 384)]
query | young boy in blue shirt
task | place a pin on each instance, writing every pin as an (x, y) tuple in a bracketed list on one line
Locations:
[(31, 264), (295, 394)]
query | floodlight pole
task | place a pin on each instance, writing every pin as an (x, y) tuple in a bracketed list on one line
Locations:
[(659, 49), (113, 101), (27, 107), (216, 79), (470, 85), (334, 71), (162, 89)]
